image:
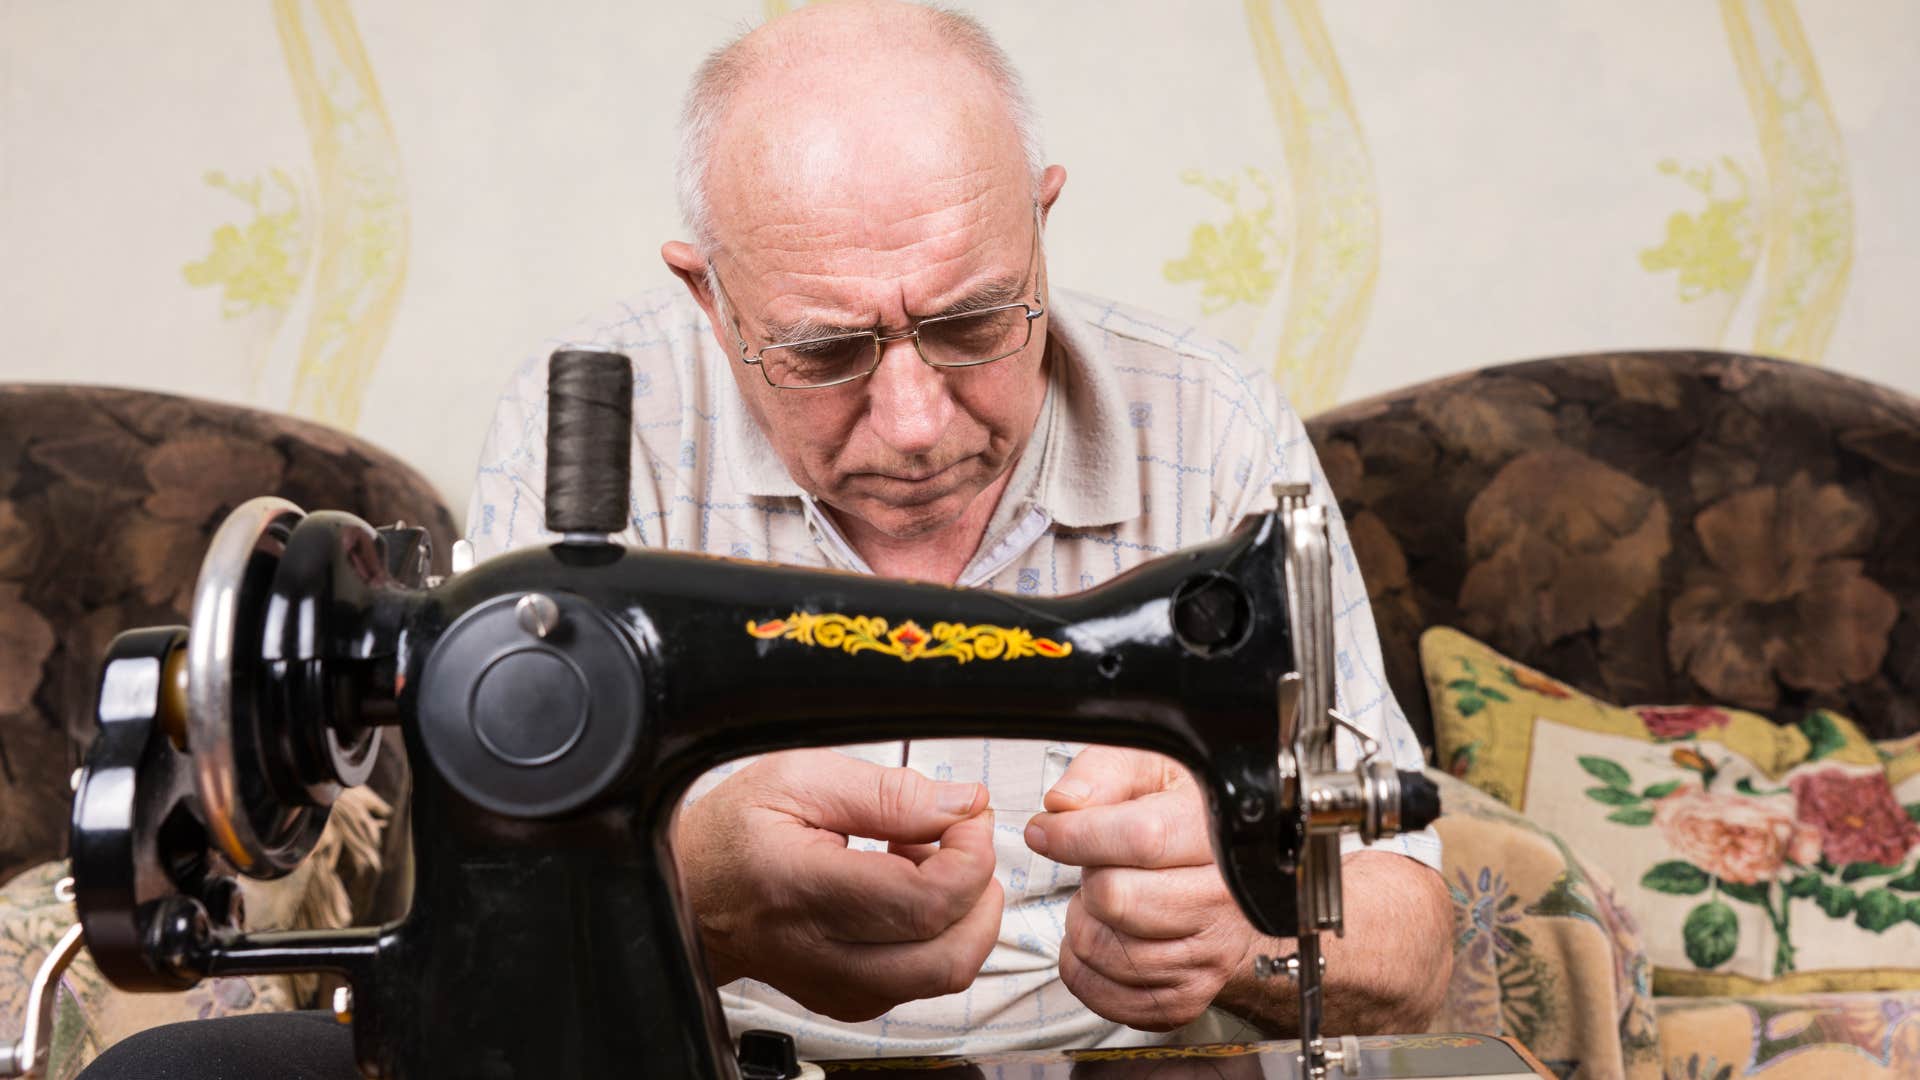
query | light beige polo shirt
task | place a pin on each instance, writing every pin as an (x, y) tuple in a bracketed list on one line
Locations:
[(1151, 439)]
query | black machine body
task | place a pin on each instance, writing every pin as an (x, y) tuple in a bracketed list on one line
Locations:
[(557, 701)]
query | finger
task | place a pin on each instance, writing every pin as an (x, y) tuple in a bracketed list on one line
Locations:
[(830, 790), (1101, 775), (1125, 960), (917, 853), (1166, 828), (1146, 1008), (1156, 904), (876, 896), (947, 964), (922, 852)]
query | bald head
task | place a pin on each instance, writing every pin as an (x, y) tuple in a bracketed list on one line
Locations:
[(858, 92), (863, 168)]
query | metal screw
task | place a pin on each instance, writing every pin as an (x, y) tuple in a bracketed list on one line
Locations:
[(538, 614), (343, 1005), (1252, 807), (1268, 967), (183, 931)]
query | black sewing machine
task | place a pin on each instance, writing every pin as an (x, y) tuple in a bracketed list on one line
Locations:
[(557, 701)]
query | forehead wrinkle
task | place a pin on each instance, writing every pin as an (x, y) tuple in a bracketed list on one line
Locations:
[(807, 304), (821, 266)]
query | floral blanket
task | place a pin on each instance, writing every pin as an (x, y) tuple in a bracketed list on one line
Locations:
[(91, 1014), (1543, 951)]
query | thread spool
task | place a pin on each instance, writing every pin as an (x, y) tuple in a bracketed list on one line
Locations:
[(589, 430)]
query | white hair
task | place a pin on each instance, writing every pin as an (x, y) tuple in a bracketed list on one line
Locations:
[(728, 67)]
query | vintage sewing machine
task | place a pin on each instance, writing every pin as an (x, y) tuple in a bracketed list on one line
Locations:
[(557, 701)]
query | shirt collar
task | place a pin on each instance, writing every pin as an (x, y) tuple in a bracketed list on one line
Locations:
[(752, 465), (1088, 474)]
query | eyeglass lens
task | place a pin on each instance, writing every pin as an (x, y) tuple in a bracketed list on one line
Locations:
[(952, 341)]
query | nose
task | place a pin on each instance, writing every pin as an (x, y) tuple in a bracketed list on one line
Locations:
[(908, 402)]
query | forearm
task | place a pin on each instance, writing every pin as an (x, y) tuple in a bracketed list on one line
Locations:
[(1388, 974)]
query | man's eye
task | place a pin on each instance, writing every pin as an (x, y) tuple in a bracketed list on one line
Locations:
[(816, 360), (972, 336), (829, 353)]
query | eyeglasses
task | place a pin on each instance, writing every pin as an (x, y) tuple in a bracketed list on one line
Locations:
[(960, 340)]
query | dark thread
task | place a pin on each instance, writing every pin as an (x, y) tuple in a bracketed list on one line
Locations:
[(589, 431)]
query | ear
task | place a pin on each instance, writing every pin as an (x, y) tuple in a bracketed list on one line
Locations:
[(1051, 182), (690, 267)]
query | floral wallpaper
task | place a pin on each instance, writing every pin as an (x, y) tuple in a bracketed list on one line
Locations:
[(368, 207)]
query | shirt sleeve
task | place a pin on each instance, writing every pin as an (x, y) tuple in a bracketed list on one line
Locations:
[(1272, 431), (508, 508)]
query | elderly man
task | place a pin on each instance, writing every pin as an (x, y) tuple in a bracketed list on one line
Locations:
[(867, 369)]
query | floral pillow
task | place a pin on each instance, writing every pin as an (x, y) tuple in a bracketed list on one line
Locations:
[(1759, 857)]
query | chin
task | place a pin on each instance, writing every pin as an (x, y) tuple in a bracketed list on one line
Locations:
[(912, 522), (906, 512)]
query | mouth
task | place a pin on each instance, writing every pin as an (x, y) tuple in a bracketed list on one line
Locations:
[(916, 478), (920, 476)]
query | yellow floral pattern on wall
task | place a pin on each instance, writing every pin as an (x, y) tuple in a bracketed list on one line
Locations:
[(1288, 261), (1327, 249), (1241, 261), (1714, 251), (257, 265), (1798, 224), (346, 243)]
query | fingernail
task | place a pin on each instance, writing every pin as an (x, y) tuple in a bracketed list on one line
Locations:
[(1073, 790), (1036, 839), (956, 798)]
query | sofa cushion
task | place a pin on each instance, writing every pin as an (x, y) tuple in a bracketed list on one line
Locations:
[(1759, 857), (1792, 1036)]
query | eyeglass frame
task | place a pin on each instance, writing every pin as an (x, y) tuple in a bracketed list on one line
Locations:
[(1034, 311)]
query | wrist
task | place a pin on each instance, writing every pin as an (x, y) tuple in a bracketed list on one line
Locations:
[(696, 905), (1263, 1001)]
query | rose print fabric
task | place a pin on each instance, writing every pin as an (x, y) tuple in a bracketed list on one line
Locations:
[(1759, 856)]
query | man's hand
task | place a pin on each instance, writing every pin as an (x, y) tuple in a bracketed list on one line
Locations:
[(1153, 937), (779, 897)]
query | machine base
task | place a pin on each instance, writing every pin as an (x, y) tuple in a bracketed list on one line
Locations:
[(1383, 1057)]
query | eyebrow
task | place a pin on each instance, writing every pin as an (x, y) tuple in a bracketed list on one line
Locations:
[(991, 294), (996, 293)]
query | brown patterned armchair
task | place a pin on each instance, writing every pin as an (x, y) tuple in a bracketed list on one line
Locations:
[(1684, 528), (1653, 526), (107, 501)]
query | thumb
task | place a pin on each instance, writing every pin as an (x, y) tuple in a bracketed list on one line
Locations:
[(830, 790), (1104, 775)]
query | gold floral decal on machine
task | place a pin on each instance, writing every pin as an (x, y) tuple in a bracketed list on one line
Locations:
[(908, 641)]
